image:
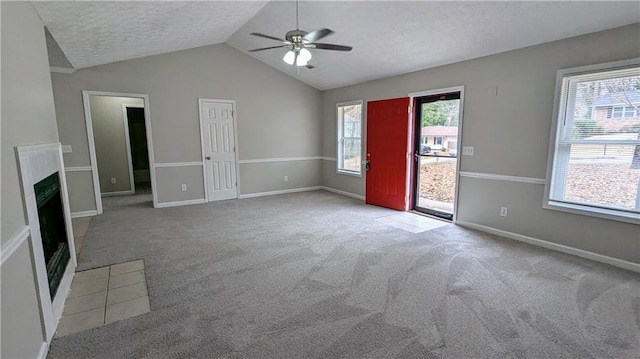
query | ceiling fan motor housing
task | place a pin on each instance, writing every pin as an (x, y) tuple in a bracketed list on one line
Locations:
[(295, 36)]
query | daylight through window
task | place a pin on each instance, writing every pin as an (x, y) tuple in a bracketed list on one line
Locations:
[(350, 137), (596, 158)]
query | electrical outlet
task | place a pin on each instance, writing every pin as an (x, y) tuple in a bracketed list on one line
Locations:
[(184, 187), (467, 150), (286, 178), (503, 211), (113, 180)]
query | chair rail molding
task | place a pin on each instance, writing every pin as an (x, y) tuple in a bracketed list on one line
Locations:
[(14, 243), (499, 177), (280, 159)]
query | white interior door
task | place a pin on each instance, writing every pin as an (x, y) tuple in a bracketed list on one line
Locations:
[(219, 147)]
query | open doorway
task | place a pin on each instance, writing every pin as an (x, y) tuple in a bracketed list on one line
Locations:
[(121, 153), (437, 117), (137, 147)]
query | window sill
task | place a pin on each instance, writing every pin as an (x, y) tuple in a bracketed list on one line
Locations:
[(349, 173), (610, 214)]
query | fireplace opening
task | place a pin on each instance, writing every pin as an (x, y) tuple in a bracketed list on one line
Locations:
[(52, 230)]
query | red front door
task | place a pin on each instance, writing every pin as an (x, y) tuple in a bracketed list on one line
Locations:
[(388, 128)]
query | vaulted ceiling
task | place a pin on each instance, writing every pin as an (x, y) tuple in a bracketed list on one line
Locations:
[(388, 37)]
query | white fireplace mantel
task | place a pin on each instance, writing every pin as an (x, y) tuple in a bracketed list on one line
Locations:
[(36, 163)]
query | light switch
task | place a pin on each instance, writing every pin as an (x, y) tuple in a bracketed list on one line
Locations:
[(467, 150), (66, 149)]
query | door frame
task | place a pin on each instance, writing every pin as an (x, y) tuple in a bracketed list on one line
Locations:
[(201, 100), (125, 117), (439, 91), (92, 145)]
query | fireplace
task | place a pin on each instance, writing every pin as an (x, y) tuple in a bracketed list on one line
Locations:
[(52, 229), (44, 190)]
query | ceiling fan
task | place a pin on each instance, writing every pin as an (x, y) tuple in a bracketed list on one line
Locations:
[(298, 42)]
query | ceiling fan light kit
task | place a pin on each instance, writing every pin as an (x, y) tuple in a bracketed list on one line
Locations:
[(300, 57), (298, 42)]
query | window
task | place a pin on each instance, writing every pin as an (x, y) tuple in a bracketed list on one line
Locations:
[(595, 167), (617, 112), (629, 111), (437, 140), (350, 137)]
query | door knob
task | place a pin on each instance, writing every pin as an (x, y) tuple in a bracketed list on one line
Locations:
[(208, 157)]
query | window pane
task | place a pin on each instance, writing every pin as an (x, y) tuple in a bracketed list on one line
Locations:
[(603, 174), (605, 107), (617, 112), (350, 125), (351, 154), (596, 163), (629, 111)]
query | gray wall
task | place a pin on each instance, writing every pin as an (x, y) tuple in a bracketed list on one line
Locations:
[(110, 139), (305, 173), (278, 117), (81, 199), (28, 117), (510, 133)]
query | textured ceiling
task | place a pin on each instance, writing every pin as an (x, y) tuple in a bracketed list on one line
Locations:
[(389, 38), (98, 32)]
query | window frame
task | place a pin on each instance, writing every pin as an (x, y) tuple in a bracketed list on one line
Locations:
[(618, 112), (610, 112), (562, 99), (626, 112), (340, 139)]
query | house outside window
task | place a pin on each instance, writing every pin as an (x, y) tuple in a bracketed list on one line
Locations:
[(349, 138), (595, 167)]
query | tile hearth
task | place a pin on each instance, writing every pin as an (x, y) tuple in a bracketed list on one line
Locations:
[(104, 295)]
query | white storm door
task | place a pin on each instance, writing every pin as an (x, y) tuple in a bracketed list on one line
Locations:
[(218, 141)]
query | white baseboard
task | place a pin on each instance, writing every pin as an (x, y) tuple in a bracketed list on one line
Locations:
[(14, 243), (180, 203), (635, 267), (348, 194), (84, 214), (44, 350), (116, 193), (283, 191)]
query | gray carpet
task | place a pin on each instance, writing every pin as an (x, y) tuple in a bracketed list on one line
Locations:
[(312, 275)]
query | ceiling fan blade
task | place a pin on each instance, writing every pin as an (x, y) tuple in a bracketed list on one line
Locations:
[(316, 35), (266, 36), (268, 48), (322, 46)]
